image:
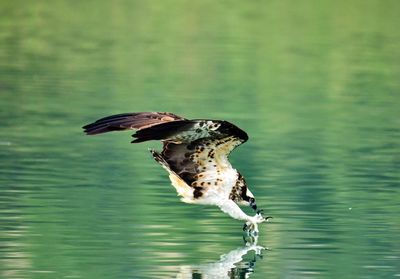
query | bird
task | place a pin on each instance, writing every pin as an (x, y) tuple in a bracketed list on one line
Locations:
[(195, 155)]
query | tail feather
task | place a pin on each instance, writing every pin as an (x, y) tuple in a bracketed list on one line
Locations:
[(129, 121)]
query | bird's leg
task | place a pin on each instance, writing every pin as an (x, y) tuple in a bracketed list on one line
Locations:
[(251, 225), (231, 208)]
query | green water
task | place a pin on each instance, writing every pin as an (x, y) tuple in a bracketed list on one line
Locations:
[(314, 83)]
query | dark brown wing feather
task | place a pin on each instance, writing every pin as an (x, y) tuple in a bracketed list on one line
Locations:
[(188, 131), (125, 121), (165, 131)]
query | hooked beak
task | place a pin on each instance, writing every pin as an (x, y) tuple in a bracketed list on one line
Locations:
[(252, 202)]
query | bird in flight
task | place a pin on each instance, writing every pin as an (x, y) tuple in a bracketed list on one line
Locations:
[(195, 155)]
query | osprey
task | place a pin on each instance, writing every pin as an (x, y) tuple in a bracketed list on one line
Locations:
[(195, 154)]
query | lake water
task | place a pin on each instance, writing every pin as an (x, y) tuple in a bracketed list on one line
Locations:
[(315, 84)]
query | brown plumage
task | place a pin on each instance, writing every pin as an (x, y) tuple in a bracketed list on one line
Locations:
[(126, 121)]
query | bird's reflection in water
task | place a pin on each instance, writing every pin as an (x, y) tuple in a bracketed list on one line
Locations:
[(230, 265)]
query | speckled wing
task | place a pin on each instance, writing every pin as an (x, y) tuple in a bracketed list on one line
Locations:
[(197, 151), (203, 164)]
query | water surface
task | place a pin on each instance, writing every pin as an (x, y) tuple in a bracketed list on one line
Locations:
[(316, 86)]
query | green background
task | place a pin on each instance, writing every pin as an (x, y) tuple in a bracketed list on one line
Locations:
[(314, 83)]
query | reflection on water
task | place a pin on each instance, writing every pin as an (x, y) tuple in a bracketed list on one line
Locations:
[(230, 265), (314, 84)]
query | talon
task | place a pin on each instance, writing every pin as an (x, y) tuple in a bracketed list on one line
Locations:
[(268, 217), (260, 211)]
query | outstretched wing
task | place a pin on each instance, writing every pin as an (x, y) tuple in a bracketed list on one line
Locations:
[(129, 121)]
